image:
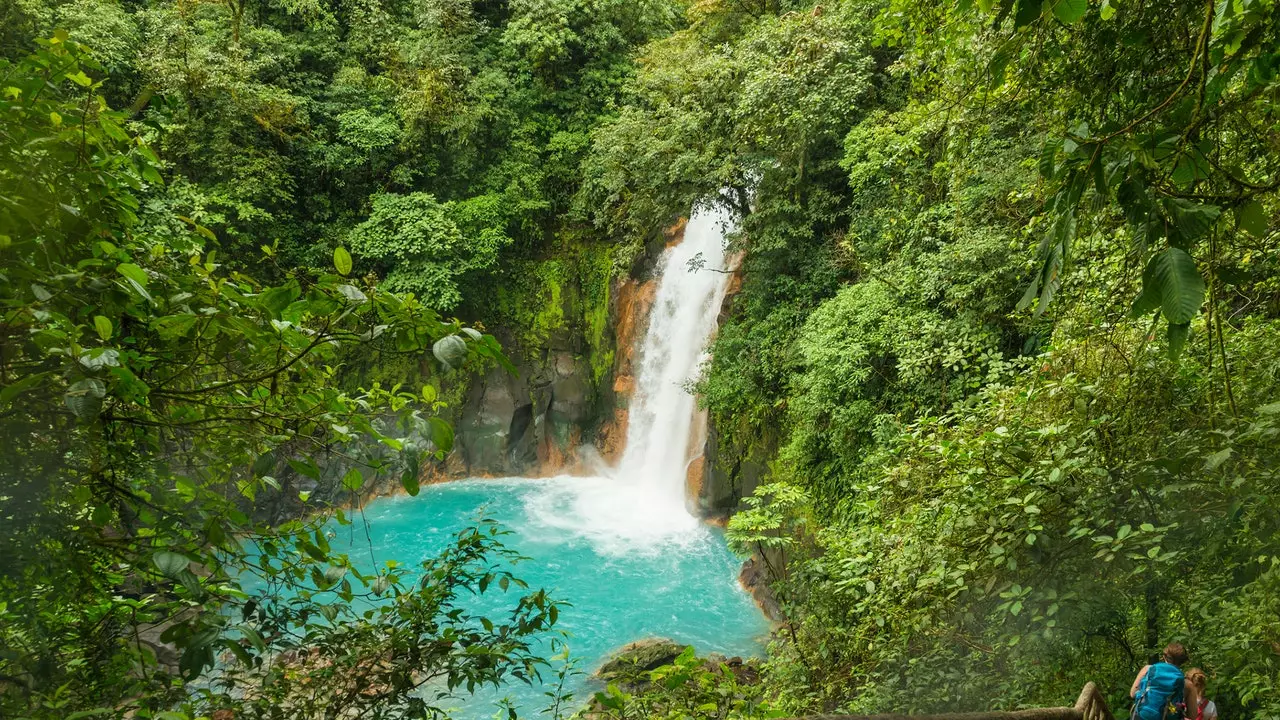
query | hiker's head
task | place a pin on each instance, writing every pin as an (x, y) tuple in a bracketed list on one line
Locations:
[(1175, 654), (1196, 677)]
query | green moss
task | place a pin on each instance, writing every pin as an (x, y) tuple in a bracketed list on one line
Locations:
[(411, 372), (528, 303), (595, 273), (569, 293)]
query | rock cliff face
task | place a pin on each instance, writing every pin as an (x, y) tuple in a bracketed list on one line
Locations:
[(527, 423), (569, 392)]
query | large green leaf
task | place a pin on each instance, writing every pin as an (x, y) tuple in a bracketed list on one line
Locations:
[(1252, 218), (172, 327), (103, 326), (170, 564), (353, 480), (1190, 220), (450, 351), (1069, 11), (1049, 157), (1148, 301), (1027, 12), (84, 398), (276, 299), (1177, 338), (134, 273), (409, 479), (1174, 276), (441, 434), (1050, 280), (342, 260)]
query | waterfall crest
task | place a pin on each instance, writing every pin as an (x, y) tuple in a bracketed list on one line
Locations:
[(640, 504)]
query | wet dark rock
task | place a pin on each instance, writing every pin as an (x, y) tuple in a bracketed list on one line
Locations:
[(754, 578), (729, 474), (528, 423)]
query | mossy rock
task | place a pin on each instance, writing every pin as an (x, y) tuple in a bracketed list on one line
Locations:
[(630, 665)]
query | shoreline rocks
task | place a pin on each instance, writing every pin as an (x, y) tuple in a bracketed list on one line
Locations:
[(754, 578), (629, 667)]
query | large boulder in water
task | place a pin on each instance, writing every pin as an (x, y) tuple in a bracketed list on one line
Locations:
[(629, 665)]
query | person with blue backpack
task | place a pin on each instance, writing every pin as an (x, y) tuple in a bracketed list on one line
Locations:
[(1161, 691)]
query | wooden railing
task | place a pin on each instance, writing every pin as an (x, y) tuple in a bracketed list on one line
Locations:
[(1091, 706)]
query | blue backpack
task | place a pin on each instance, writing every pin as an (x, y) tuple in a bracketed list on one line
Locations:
[(1159, 693)]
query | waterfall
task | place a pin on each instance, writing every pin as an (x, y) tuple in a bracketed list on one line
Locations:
[(681, 323), (639, 506)]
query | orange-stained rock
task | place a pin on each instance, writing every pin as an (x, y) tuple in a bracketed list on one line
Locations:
[(754, 578), (624, 385), (675, 233), (550, 458), (693, 478), (734, 263), (634, 301), (695, 471), (556, 458), (612, 438)]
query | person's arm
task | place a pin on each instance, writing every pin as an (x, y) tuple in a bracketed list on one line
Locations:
[(1133, 691), (1191, 698), (1210, 711)]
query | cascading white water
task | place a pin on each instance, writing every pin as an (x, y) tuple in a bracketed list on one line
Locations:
[(680, 325), (640, 505)]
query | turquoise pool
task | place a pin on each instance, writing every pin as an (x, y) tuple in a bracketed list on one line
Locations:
[(629, 572)]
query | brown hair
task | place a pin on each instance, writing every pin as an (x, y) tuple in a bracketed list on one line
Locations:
[(1196, 677), (1175, 654)]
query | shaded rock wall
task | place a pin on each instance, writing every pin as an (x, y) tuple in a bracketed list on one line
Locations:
[(723, 476), (572, 385), (726, 476), (528, 424)]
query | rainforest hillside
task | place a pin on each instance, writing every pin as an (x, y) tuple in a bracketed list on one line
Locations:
[(994, 401)]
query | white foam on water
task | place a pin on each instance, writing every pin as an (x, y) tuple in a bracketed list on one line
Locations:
[(640, 506), (617, 519)]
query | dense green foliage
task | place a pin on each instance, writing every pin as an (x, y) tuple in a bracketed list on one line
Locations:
[(432, 137), (1004, 340), (1004, 346), (159, 410)]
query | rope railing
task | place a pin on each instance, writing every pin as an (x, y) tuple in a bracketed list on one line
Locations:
[(1090, 706)]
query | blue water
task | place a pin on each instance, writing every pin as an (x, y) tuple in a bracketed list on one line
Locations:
[(626, 575)]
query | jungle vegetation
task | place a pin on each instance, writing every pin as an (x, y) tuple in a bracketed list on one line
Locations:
[(1004, 352)]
